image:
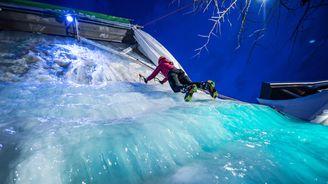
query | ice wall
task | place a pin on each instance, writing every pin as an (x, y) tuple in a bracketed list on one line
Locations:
[(31, 57), (71, 113)]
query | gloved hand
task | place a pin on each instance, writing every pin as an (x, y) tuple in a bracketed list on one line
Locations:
[(162, 82)]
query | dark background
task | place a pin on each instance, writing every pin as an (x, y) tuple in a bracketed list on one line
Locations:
[(237, 72)]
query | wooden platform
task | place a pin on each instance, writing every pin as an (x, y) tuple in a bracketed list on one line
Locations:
[(20, 18)]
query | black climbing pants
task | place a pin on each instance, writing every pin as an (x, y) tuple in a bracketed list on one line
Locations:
[(179, 81)]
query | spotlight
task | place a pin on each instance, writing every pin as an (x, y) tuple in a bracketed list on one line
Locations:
[(69, 18), (312, 41)]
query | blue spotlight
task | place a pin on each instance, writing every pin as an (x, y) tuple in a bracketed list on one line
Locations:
[(312, 41), (69, 18)]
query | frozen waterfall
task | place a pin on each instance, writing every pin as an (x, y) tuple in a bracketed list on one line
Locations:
[(73, 113)]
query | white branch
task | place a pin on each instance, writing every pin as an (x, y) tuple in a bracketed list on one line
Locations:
[(243, 22), (217, 23)]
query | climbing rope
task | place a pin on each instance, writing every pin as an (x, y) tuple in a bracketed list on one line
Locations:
[(168, 14)]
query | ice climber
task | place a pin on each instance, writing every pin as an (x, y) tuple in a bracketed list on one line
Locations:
[(179, 81)]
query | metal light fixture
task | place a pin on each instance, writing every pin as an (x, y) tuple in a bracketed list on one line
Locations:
[(69, 18)]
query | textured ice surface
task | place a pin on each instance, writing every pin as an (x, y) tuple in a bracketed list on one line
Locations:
[(93, 126), (38, 58)]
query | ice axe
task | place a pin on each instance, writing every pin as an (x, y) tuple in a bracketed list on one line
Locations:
[(141, 77)]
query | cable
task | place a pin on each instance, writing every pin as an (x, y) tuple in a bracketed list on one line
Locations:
[(167, 15)]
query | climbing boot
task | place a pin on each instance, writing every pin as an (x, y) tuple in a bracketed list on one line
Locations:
[(190, 91), (211, 89)]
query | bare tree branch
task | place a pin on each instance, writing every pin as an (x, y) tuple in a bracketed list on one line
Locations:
[(217, 24), (258, 34), (243, 22), (283, 4), (223, 8)]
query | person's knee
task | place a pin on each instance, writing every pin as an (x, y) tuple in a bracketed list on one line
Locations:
[(176, 90)]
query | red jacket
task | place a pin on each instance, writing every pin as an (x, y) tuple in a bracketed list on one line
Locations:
[(164, 66)]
